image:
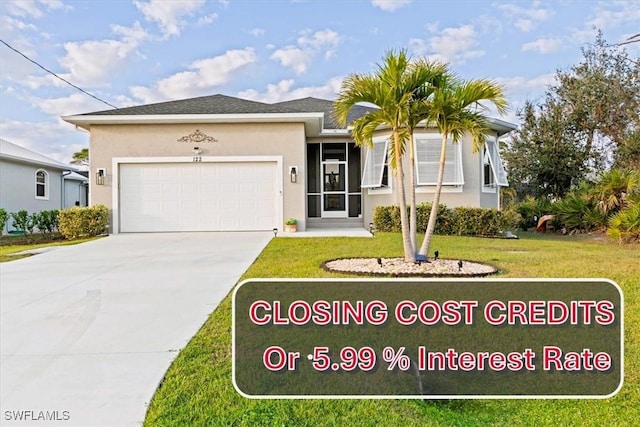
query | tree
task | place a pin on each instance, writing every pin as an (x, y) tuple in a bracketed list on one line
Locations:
[(458, 108), (543, 158), (601, 100), (393, 88), (81, 157)]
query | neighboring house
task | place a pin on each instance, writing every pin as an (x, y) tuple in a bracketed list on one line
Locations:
[(34, 182), (221, 163)]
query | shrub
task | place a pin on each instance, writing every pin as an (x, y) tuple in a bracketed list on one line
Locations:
[(24, 222), (477, 222), (579, 213), (461, 221), (4, 217), (387, 218), (79, 222), (625, 225), (47, 221), (531, 209)]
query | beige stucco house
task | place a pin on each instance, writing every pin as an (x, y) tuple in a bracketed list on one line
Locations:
[(218, 163)]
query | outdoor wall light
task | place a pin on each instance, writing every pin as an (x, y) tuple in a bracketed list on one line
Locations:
[(100, 174), (197, 151), (293, 173)]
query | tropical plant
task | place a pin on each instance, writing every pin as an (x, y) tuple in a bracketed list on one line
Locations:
[(395, 88), (81, 157), (458, 108), (625, 225), (611, 191), (4, 217)]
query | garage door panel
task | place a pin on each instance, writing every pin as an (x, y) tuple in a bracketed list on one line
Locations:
[(198, 196)]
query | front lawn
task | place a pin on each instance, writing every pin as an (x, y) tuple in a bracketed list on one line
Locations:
[(17, 246), (198, 391)]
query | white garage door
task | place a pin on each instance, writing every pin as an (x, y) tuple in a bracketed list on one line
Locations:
[(198, 196)]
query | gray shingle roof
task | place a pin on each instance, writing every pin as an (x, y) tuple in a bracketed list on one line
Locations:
[(312, 105), (222, 104), (214, 104)]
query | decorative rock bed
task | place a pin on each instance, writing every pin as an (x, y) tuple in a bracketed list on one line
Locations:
[(397, 267)]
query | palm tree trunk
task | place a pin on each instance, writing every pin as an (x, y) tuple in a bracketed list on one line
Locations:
[(431, 226), (409, 253), (413, 220)]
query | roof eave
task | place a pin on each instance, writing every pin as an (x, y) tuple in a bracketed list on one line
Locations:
[(51, 165), (313, 122)]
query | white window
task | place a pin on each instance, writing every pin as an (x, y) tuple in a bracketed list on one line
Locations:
[(493, 170), (376, 166), (42, 184), (428, 161)]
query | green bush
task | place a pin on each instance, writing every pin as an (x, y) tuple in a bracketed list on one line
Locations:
[(532, 209), (24, 222), (47, 222), (625, 225), (477, 222), (79, 222), (387, 218), (4, 217), (460, 221), (580, 213)]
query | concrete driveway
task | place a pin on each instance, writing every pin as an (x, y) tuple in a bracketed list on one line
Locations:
[(88, 331)]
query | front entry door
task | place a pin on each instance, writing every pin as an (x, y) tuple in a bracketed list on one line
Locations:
[(334, 189)]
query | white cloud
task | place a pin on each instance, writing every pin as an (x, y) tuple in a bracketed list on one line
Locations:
[(453, 45), (526, 19), (521, 87), (169, 14), (295, 58), (542, 45), (58, 140), (93, 62), (615, 13), (284, 91), (256, 32), (76, 103), (389, 5), (309, 44), (10, 24), (203, 75), (32, 8), (207, 19)]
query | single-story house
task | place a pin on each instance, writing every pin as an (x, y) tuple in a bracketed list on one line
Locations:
[(34, 182), (217, 163)]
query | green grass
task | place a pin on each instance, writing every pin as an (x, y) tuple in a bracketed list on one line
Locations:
[(197, 389), (10, 246)]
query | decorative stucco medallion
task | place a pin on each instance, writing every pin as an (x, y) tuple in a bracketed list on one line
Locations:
[(197, 136)]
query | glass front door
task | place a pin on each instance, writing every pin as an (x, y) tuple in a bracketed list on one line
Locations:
[(333, 180), (334, 192)]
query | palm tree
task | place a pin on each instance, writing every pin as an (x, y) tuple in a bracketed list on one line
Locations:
[(419, 110), (458, 108), (392, 89)]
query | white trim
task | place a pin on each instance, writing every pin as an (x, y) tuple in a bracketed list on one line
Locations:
[(117, 161), (45, 184), (499, 174), (445, 189), (188, 118), (377, 169)]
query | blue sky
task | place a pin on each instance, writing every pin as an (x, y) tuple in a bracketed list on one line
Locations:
[(143, 51)]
